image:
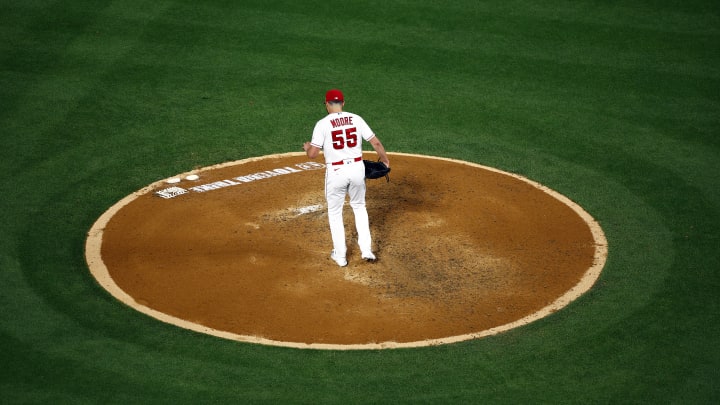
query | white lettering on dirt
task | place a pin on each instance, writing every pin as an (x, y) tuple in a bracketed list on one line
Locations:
[(249, 178)]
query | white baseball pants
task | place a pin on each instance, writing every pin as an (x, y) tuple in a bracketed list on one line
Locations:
[(341, 180)]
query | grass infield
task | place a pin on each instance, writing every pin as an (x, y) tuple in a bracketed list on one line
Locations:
[(615, 105)]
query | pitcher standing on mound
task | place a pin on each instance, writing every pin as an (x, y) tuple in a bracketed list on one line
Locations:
[(340, 136)]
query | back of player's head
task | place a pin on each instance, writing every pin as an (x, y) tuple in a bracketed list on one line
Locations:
[(334, 96)]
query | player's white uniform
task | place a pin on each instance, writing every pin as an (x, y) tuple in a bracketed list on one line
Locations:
[(340, 137)]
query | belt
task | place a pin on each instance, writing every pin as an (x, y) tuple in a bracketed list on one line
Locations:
[(346, 161)]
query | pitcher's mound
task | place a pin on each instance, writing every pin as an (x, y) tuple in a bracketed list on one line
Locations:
[(243, 252)]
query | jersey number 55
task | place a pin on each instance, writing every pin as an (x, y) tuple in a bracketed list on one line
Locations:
[(344, 137)]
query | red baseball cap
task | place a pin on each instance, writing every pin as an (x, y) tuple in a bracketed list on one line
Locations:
[(334, 95)]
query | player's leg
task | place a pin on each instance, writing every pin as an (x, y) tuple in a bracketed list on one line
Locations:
[(356, 191), (335, 190)]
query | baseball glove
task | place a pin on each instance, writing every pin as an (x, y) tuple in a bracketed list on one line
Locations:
[(375, 170)]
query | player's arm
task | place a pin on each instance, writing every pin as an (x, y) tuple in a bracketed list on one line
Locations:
[(311, 150), (380, 150)]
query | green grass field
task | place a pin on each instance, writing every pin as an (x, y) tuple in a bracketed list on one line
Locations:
[(613, 104)]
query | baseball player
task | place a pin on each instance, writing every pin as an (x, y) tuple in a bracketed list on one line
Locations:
[(340, 136)]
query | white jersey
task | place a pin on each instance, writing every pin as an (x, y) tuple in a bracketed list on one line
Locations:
[(340, 136)]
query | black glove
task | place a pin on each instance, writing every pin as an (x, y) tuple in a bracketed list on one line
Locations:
[(375, 170)]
